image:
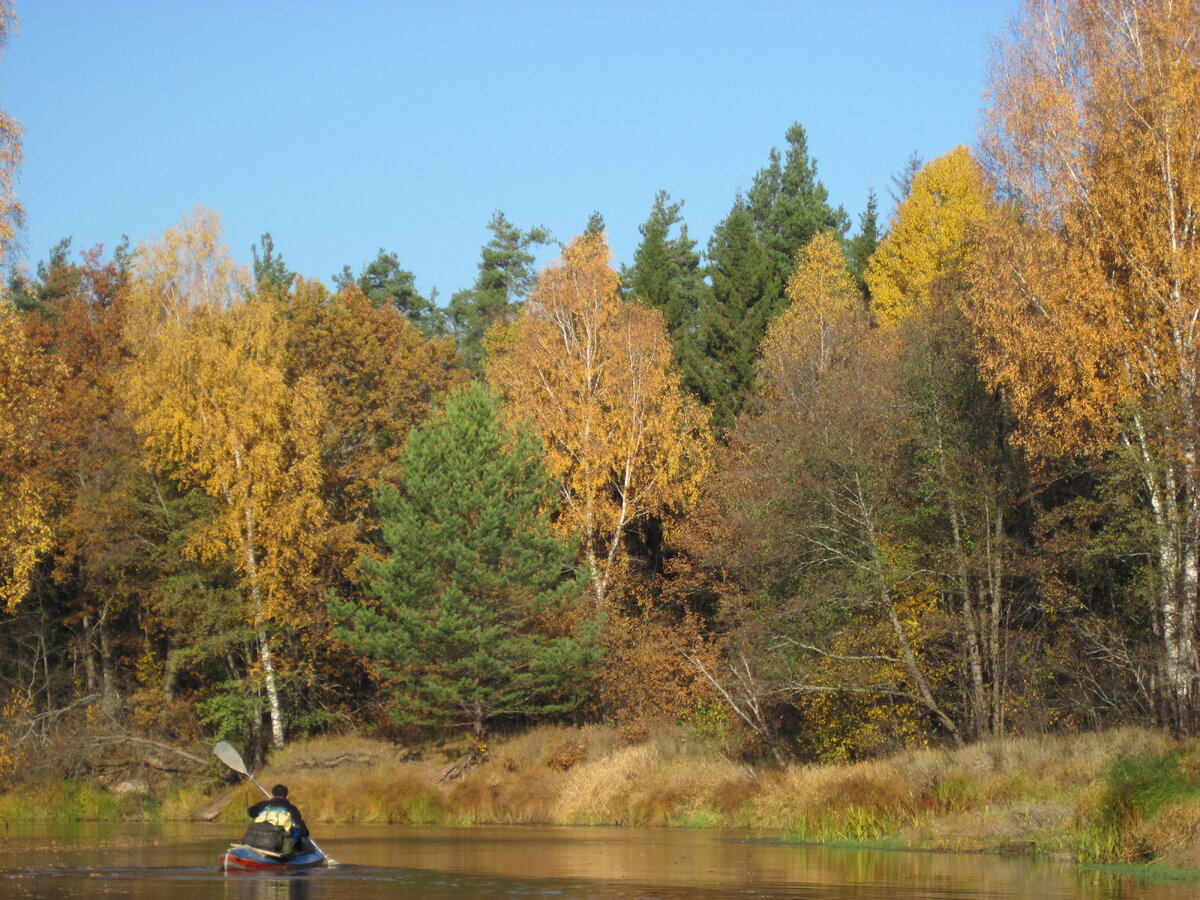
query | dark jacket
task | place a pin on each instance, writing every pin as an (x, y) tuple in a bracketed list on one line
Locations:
[(298, 826)]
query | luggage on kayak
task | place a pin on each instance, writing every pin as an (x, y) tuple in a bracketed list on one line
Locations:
[(270, 837)]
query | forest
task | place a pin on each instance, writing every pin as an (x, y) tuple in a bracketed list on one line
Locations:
[(821, 490)]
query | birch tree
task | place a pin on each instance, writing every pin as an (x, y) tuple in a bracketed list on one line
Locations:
[(214, 410), (1087, 289), (30, 381), (595, 374)]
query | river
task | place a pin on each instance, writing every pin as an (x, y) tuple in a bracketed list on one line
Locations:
[(178, 862)]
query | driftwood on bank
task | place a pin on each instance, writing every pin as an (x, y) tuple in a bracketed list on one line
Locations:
[(459, 769), (214, 809)]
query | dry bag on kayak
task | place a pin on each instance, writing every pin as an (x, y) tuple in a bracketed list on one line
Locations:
[(267, 836)]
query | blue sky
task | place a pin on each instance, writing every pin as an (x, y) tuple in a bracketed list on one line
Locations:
[(344, 127)]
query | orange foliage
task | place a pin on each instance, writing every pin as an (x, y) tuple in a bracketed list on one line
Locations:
[(595, 374)]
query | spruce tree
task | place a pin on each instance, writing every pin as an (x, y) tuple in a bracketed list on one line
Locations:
[(474, 610), (789, 204), (743, 300), (506, 275), (860, 247), (666, 274)]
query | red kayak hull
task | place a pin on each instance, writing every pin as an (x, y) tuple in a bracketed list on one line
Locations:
[(240, 858)]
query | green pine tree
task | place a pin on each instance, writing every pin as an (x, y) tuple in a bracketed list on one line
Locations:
[(269, 268), (383, 281), (789, 204), (860, 247), (743, 299), (666, 274), (506, 275), (595, 223), (474, 611)]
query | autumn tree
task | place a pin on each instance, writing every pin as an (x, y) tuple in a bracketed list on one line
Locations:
[(1087, 282), (30, 384), (79, 318), (474, 608), (930, 236), (12, 213), (594, 373), (833, 378), (832, 614), (380, 378), (214, 410)]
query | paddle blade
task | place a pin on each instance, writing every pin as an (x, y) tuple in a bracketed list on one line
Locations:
[(226, 754)]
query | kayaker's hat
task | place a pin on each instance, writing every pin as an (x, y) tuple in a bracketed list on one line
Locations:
[(280, 790)]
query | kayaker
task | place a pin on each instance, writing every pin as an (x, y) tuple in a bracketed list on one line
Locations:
[(278, 810)]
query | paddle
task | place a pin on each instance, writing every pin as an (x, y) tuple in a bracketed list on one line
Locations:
[(226, 754)]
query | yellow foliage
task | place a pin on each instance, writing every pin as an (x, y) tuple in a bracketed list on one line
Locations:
[(12, 214), (214, 409), (930, 236), (30, 383), (1087, 294), (595, 375), (825, 317), (848, 726)]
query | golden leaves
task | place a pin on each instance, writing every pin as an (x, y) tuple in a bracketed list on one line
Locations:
[(595, 375), (30, 383), (215, 409), (12, 214), (930, 237), (824, 316), (1086, 297)]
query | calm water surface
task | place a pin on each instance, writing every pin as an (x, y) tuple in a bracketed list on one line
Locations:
[(178, 862)]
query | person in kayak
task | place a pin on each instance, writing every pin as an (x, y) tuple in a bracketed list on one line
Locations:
[(279, 811)]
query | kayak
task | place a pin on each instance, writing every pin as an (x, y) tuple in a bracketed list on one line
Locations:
[(241, 857)]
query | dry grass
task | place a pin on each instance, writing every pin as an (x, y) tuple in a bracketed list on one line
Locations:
[(1064, 794)]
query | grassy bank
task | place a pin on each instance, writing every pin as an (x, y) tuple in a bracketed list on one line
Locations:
[(1118, 797)]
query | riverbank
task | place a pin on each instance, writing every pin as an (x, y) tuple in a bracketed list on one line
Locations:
[(1127, 796)]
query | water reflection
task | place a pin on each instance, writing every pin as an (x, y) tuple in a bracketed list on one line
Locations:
[(180, 862), (268, 886)]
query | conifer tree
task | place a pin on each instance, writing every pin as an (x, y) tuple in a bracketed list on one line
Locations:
[(476, 609), (269, 268), (666, 274), (743, 299), (860, 247), (789, 204), (383, 281), (506, 275)]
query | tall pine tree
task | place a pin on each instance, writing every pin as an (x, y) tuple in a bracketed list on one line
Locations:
[(506, 275), (476, 611), (789, 204), (744, 297), (666, 274)]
